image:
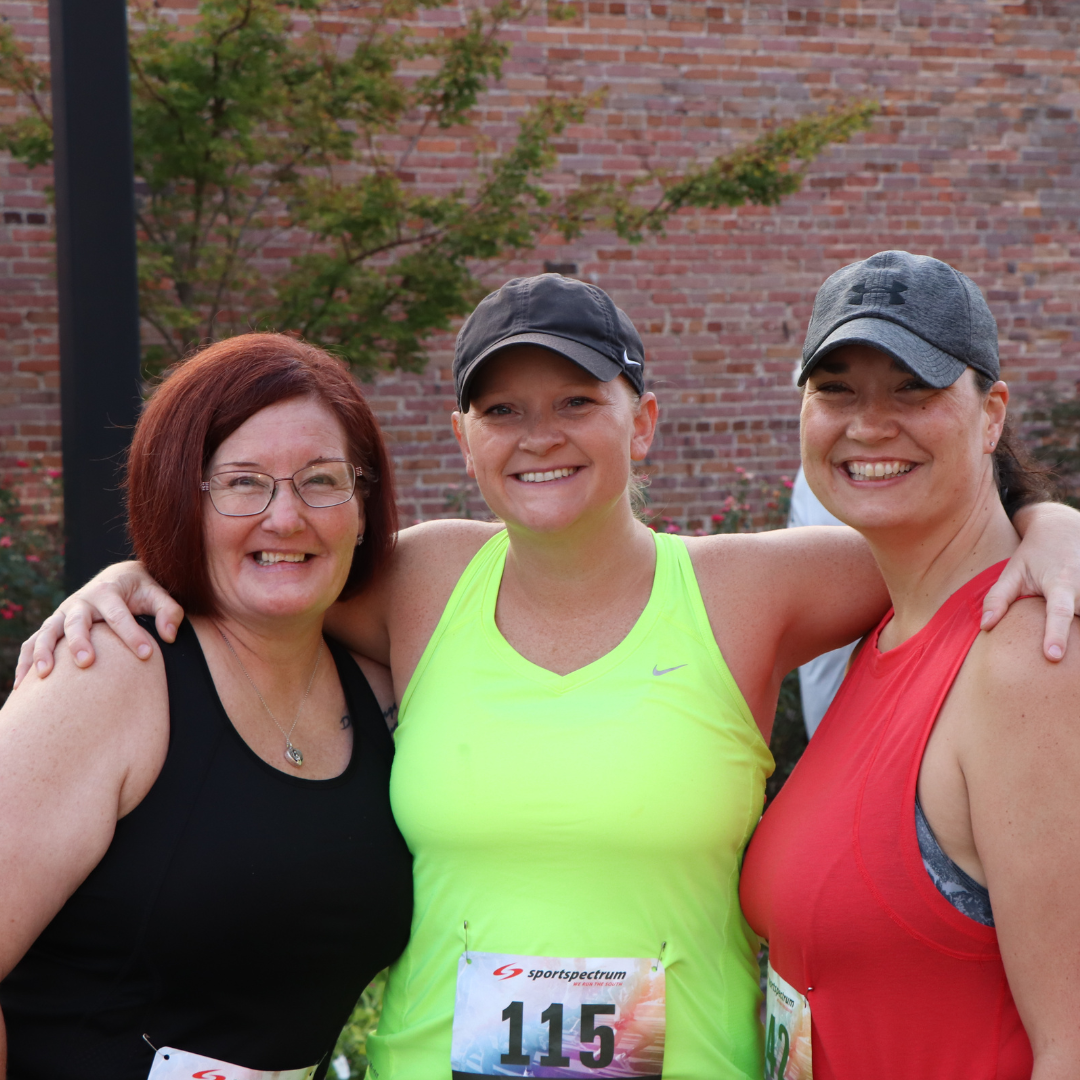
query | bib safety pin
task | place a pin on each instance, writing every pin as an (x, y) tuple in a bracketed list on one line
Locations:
[(663, 946), (467, 960), (146, 1039)]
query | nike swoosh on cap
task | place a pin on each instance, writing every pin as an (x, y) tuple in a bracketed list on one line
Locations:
[(667, 669)]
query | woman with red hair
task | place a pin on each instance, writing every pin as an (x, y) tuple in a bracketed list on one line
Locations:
[(169, 830)]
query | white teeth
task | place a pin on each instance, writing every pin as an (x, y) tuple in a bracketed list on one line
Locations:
[(865, 470), (268, 558), (540, 477)]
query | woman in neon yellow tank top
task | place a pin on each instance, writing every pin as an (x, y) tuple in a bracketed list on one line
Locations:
[(584, 713)]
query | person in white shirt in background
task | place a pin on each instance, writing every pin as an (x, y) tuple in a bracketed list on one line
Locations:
[(821, 677)]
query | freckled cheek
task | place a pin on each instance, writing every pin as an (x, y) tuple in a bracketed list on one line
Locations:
[(224, 541), (486, 452), (818, 436)]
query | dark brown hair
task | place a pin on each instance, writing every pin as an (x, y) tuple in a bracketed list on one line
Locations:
[(200, 402), (1021, 480)]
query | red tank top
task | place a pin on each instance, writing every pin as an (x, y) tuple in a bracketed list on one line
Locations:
[(900, 984)]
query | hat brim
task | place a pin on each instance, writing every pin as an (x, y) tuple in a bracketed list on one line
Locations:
[(934, 366), (595, 363)]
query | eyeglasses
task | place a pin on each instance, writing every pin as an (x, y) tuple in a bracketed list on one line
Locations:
[(245, 494)]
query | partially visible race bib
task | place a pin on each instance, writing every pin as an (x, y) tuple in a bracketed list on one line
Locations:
[(170, 1064), (553, 1016), (787, 1031)]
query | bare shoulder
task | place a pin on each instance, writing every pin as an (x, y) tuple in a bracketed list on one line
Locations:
[(777, 599), (112, 685), (430, 558), (427, 561), (441, 546), (719, 554), (393, 618), (1017, 711), (1008, 664), (111, 718)]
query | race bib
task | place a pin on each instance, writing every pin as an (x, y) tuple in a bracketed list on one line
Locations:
[(787, 1031), (554, 1016), (170, 1064)]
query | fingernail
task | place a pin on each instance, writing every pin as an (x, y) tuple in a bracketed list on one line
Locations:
[(143, 651), (41, 665), (170, 630), (985, 620), (81, 657), (1055, 652)]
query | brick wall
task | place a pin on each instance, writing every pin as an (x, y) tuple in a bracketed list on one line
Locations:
[(975, 159), (29, 352)]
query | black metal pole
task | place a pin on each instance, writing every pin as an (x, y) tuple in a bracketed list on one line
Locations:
[(95, 262)]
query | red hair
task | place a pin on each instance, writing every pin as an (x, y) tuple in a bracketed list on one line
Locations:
[(198, 405)]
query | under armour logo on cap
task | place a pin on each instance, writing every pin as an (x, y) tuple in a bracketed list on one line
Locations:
[(925, 314), (887, 290)]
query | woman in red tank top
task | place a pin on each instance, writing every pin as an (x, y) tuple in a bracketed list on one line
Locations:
[(876, 968)]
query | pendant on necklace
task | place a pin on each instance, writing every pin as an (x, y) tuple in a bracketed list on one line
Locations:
[(293, 756)]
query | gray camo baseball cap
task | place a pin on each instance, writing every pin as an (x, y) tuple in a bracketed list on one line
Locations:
[(918, 310)]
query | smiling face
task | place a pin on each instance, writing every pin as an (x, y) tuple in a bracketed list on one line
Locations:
[(881, 449), (292, 560), (548, 444)]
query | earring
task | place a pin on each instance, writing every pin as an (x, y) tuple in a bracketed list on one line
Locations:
[(991, 445), (359, 539)]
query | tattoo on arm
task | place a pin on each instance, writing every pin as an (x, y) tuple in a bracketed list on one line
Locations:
[(390, 716), (346, 721)]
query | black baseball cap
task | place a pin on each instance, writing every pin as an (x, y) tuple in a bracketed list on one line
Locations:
[(573, 318), (920, 311)]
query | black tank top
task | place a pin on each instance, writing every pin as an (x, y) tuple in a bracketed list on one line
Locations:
[(238, 913)]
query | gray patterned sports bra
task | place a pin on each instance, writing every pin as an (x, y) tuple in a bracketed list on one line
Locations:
[(960, 889)]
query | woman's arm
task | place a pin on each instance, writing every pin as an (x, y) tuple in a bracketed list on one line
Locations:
[(75, 756), (777, 599), (405, 604), (1019, 750), (1047, 563), (830, 583)]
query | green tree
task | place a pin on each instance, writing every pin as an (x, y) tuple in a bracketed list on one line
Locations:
[(265, 119)]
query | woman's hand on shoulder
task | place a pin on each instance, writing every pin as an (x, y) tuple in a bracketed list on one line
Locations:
[(1047, 563), (77, 752), (115, 596)]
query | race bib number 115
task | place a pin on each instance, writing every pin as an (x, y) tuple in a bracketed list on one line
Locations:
[(558, 1017)]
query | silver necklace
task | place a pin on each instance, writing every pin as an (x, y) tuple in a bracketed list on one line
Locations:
[(292, 754)]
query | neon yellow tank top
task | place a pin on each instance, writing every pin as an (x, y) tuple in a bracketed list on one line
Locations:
[(598, 814)]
